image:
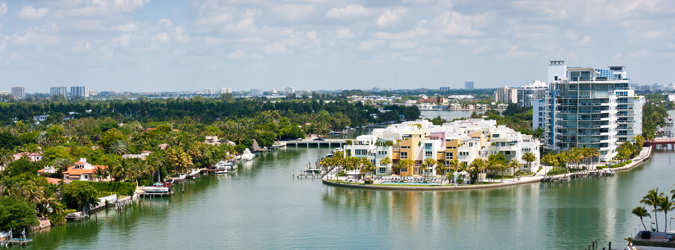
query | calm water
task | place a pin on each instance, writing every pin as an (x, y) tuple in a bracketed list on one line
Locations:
[(263, 207)]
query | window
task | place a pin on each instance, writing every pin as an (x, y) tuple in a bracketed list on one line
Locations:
[(383, 170), (360, 152), (428, 153), (495, 135), (404, 155), (449, 156), (405, 146), (470, 144)]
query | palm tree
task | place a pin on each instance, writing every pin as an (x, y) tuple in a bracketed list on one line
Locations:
[(118, 148), (463, 167), (641, 212), (529, 157), (368, 167), (652, 199), (664, 206), (454, 165), (513, 164), (440, 168), (550, 160), (385, 161), (476, 166), (406, 164), (428, 164)]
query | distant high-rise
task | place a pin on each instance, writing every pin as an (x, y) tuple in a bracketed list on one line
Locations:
[(225, 90), (82, 91), (209, 91), (18, 92), (93, 93), (289, 90), (506, 95), (256, 92), (58, 91), (468, 85)]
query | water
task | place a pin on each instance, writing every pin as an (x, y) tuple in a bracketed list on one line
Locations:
[(262, 206)]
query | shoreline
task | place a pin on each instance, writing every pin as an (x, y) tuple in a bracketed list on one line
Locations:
[(644, 155)]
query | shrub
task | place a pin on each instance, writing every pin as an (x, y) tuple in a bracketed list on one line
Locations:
[(122, 188)]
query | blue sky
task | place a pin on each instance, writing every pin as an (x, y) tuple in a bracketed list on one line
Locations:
[(171, 45)]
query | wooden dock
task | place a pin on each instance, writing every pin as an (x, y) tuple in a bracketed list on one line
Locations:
[(11, 242)]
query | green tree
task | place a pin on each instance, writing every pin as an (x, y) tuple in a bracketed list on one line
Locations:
[(21, 166), (652, 199), (641, 212), (529, 157), (16, 214), (80, 194), (110, 137)]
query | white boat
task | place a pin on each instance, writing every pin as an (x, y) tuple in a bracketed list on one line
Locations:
[(224, 165), (221, 171), (156, 188), (247, 155)]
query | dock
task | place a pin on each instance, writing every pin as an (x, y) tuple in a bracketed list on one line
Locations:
[(11, 242), (312, 142)]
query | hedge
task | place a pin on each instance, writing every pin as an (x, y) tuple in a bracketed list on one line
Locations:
[(122, 188)]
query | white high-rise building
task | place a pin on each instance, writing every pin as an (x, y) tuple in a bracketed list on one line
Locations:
[(530, 93), (468, 85), (587, 107), (58, 91), (209, 91), (256, 92), (225, 90), (289, 90), (506, 95), (82, 91), (18, 92)]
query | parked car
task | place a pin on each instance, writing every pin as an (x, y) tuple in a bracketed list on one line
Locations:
[(319, 139), (299, 139)]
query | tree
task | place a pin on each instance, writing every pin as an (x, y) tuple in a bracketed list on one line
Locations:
[(529, 157), (550, 160), (440, 168), (8, 141), (406, 165), (428, 164), (80, 194), (641, 212), (513, 164), (476, 166), (664, 206), (21, 166), (652, 199), (110, 137), (118, 148), (16, 213)]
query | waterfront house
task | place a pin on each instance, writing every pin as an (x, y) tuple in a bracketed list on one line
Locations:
[(84, 171), (33, 157)]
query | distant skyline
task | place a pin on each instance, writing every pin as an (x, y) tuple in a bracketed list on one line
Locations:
[(171, 45)]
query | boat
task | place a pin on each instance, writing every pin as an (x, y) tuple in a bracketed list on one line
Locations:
[(247, 155), (224, 165), (221, 171), (194, 174), (157, 188), (335, 133), (76, 216)]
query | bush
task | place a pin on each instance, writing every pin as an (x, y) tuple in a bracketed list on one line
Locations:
[(122, 188), (368, 181)]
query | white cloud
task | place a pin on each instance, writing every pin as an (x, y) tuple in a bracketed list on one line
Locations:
[(457, 24), (390, 16), (238, 54), (276, 48), (181, 36), (3, 9), (640, 53), (220, 18), (371, 44), (28, 12), (294, 12), (402, 44), (162, 37), (344, 33), (349, 12), (166, 22), (100, 8), (83, 45)]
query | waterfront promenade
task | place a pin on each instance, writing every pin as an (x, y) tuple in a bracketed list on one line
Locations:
[(538, 177)]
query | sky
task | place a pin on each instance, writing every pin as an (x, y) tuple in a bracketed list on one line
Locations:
[(176, 45)]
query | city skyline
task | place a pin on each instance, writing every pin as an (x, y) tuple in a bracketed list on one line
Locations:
[(142, 45)]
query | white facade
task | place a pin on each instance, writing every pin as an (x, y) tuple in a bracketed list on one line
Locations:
[(557, 70), (209, 91), (289, 90), (256, 92), (82, 91), (18, 92), (58, 91), (506, 95), (226, 90), (591, 108)]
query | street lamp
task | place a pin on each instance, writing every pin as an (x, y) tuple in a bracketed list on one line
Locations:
[(671, 223)]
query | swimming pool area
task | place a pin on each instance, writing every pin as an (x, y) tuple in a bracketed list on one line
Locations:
[(410, 183)]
